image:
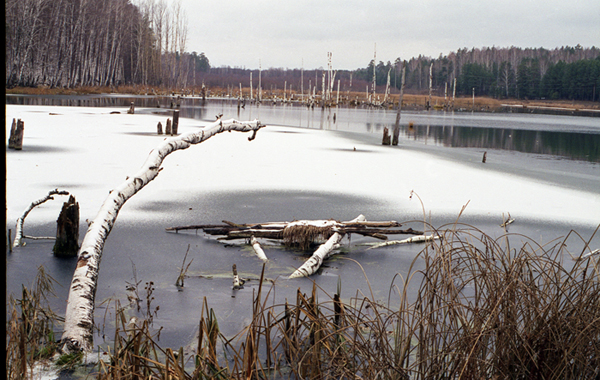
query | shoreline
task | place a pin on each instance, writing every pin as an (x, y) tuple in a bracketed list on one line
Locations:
[(350, 99)]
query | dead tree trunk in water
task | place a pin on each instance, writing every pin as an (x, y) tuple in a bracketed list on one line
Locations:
[(386, 136), (67, 230), (79, 316), (15, 141), (396, 136), (175, 121)]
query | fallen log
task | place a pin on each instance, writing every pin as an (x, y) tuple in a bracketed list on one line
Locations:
[(303, 234), (313, 264), (414, 239), (79, 316), (300, 233)]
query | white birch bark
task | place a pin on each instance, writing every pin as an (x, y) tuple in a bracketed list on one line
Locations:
[(79, 316), (19, 227), (414, 239), (311, 265), (258, 249)]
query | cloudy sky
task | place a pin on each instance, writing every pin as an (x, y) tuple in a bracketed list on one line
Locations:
[(300, 33)]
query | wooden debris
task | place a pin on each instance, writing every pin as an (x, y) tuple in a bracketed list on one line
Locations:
[(258, 249), (414, 239), (589, 254), (19, 236), (386, 140), (300, 233), (508, 221), (159, 129), (15, 141), (168, 129), (67, 230), (238, 283), (175, 126)]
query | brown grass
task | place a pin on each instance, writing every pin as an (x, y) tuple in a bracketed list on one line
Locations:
[(482, 309), (410, 101)]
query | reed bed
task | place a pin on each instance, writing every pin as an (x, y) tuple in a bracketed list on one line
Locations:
[(483, 309)]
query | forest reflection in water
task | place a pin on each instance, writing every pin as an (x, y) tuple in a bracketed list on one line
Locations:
[(573, 145), (570, 137)]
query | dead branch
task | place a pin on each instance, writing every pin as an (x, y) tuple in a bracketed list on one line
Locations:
[(19, 236)]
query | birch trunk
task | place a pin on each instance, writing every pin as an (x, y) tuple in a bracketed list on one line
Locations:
[(258, 249), (19, 227), (414, 239), (311, 265), (79, 316)]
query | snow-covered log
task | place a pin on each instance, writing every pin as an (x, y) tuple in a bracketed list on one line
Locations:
[(19, 227), (77, 335)]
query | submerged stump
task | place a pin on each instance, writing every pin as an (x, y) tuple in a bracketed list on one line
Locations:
[(67, 230), (386, 137), (15, 141), (175, 122), (168, 129)]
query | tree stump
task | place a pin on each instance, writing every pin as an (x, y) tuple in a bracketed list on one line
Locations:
[(159, 128), (175, 122), (15, 141), (386, 136), (168, 130), (67, 230)]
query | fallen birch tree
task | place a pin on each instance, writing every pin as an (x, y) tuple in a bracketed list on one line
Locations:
[(303, 234), (79, 316)]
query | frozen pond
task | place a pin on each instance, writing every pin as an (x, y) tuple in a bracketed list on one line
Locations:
[(306, 164)]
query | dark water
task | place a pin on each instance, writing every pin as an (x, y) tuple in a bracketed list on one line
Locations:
[(142, 251), (568, 137)]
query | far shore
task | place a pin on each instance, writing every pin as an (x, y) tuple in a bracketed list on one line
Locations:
[(410, 101)]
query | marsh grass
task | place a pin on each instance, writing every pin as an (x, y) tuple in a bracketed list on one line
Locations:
[(482, 309), (30, 327)]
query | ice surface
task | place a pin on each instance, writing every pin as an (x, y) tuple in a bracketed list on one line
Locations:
[(89, 151)]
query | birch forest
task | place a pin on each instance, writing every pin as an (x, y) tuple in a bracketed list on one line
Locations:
[(75, 43), (79, 43)]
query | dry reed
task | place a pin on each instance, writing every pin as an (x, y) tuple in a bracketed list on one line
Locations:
[(483, 309)]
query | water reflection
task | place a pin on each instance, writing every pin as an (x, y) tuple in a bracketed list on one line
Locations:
[(579, 146), (563, 136)]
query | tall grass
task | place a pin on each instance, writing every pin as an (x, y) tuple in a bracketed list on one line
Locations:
[(30, 328), (482, 309)]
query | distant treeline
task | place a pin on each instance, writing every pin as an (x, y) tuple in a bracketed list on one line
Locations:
[(72, 43), (563, 73)]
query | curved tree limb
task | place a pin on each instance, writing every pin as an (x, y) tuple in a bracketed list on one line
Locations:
[(19, 236), (78, 335)]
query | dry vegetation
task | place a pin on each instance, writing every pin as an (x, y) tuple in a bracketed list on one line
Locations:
[(483, 309), (410, 101)]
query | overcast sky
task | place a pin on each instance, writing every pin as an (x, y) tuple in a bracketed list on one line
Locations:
[(300, 33)]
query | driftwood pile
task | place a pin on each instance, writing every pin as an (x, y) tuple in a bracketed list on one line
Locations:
[(306, 233)]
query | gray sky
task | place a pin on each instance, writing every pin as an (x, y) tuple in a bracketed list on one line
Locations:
[(300, 33)]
